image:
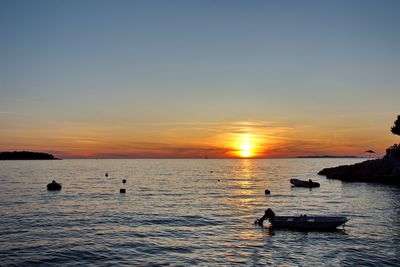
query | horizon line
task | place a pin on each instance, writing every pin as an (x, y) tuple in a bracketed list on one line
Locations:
[(298, 157)]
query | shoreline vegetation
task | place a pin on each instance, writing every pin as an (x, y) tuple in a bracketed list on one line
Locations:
[(384, 171), (26, 155)]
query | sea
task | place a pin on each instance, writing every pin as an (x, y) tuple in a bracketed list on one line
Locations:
[(189, 212)]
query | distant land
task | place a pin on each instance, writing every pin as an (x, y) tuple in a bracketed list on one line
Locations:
[(25, 155), (325, 156)]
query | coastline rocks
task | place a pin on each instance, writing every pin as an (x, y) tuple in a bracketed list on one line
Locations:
[(386, 170), (54, 186)]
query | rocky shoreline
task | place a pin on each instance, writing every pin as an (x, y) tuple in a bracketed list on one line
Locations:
[(386, 171)]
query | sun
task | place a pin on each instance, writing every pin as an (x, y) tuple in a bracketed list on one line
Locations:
[(245, 147), (245, 150)]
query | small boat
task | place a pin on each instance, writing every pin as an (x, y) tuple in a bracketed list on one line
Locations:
[(302, 222), (302, 183), (54, 186)]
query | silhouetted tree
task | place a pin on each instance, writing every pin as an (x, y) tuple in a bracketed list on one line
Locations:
[(396, 127)]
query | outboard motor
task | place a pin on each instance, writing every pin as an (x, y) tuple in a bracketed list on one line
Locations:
[(267, 215)]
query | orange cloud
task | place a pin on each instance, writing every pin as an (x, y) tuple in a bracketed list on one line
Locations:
[(254, 139)]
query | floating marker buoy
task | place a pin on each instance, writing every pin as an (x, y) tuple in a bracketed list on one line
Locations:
[(106, 174), (122, 191), (267, 192), (54, 186), (124, 181)]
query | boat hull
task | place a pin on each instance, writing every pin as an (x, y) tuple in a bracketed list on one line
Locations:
[(307, 222), (301, 183)]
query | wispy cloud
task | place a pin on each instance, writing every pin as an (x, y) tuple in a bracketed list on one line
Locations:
[(192, 139)]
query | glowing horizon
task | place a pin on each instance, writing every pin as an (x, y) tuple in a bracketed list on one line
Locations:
[(242, 139)]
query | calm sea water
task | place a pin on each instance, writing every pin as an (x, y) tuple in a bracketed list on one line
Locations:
[(189, 212)]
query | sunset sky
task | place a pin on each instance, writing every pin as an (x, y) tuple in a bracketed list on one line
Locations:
[(199, 78)]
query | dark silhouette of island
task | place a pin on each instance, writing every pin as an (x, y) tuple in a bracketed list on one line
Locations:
[(25, 155), (385, 170)]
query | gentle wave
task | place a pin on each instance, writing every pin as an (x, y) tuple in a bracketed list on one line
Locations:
[(179, 213)]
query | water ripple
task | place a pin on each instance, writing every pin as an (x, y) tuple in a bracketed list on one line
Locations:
[(178, 213)]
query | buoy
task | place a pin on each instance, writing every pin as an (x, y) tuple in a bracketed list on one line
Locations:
[(124, 181), (122, 191), (211, 171), (106, 174), (54, 186), (267, 192)]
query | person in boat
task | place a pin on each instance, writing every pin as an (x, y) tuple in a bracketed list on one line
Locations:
[(310, 181)]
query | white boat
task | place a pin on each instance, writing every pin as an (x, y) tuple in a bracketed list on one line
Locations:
[(302, 222)]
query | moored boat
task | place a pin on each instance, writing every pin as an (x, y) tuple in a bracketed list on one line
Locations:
[(302, 222), (302, 183)]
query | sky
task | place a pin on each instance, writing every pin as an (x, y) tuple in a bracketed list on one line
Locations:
[(115, 79)]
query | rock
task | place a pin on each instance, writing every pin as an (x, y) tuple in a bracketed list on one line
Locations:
[(396, 171), (386, 170)]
